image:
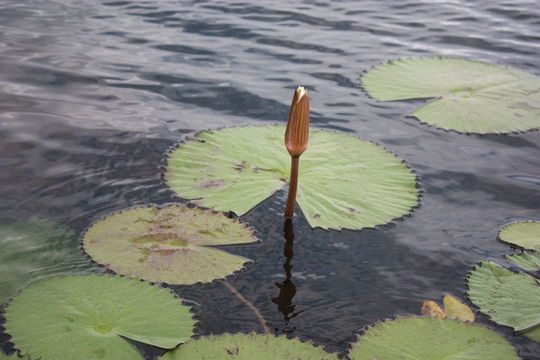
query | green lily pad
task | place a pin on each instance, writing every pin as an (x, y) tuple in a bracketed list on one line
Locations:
[(526, 261), (508, 298), (471, 96), (168, 244), (12, 357), (430, 338), (247, 347), (525, 234), (87, 317), (344, 182), (533, 334), (36, 249)]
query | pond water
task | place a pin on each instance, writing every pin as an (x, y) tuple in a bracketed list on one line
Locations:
[(92, 93)]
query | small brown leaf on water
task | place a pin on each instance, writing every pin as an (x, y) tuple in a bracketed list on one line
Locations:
[(431, 308)]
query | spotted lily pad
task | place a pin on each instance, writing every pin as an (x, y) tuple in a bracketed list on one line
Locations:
[(344, 182), (508, 298), (36, 249), (247, 347), (470, 96), (525, 234), (431, 338), (526, 261), (168, 244), (88, 317)]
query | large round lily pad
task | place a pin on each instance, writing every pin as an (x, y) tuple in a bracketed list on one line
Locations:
[(168, 244), (36, 249), (344, 182), (525, 234), (508, 298), (471, 96), (88, 317), (247, 347), (431, 338)]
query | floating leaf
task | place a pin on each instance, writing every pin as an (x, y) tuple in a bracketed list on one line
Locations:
[(455, 309), (344, 182), (533, 334), (525, 234), (431, 338), (508, 298), (12, 357), (247, 347), (35, 249), (87, 317), (168, 244), (526, 261), (471, 96), (431, 308)]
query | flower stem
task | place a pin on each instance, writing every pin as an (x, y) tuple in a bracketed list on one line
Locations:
[(293, 185)]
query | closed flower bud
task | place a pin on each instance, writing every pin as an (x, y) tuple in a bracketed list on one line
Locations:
[(297, 133)]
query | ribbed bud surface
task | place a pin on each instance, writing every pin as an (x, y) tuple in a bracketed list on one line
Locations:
[(297, 133)]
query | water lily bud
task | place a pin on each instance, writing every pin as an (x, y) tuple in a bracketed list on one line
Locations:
[(297, 133)]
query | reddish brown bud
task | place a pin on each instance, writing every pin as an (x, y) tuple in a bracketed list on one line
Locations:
[(297, 133)]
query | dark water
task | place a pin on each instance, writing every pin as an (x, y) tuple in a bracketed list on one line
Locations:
[(92, 93)]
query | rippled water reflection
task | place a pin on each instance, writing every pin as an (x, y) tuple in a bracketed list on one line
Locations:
[(92, 93)]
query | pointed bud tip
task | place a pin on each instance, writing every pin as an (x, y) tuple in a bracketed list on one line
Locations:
[(300, 91)]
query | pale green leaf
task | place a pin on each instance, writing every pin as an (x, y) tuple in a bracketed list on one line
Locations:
[(430, 338), (36, 249), (525, 234), (247, 347), (87, 317), (508, 298), (526, 261), (471, 96), (167, 244), (344, 182), (533, 334)]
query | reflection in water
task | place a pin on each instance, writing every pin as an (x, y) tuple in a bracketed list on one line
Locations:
[(287, 290)]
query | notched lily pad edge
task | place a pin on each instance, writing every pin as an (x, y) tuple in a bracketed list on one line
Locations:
[(514, 246), (434, 98), (232, 216), (303, 340), (410, 213), (362, 331)]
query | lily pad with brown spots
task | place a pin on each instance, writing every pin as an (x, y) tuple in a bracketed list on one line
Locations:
[(172, 244)]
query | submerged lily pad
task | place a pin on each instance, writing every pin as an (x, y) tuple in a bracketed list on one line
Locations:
[(455, 309), (168, 244), (430, 338), (87, 317), (525, 234), (508, 298), (12, 357), (471, 96), (344, 182), (533, 334), (526, 261), (247, 347), (36, 249)]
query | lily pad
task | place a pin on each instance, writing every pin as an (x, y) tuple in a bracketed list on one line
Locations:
[(431, 338), (344, 182), (533, 334), (88, 317), (525, 234), (12, 357), (471, 96), (168, 244), (36, 249), (526, 261), (508, 298), (247, 347)]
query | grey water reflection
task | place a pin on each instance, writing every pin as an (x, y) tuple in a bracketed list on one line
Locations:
[(92, 93)]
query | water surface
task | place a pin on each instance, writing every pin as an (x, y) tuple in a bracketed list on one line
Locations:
[(92, 93)]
